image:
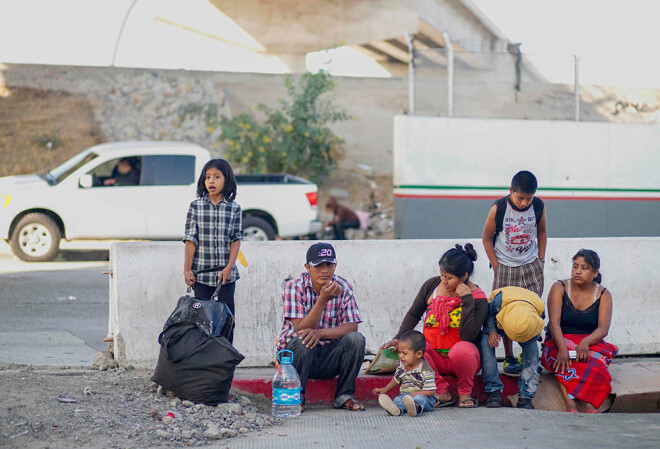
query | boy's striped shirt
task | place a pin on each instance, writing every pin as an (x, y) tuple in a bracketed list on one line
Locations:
[(420, 378)]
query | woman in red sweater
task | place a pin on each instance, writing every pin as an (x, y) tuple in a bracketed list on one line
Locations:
[(455, 311)]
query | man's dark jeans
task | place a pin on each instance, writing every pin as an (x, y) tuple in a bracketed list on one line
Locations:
[(342, 357)]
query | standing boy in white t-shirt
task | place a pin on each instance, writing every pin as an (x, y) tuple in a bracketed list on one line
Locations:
[(515, 239)]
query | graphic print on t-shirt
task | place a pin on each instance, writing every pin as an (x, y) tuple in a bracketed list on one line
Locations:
[(519, 233), (516, 244)]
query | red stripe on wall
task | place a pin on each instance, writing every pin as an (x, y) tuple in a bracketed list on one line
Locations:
[(449, 197), (543, 197)]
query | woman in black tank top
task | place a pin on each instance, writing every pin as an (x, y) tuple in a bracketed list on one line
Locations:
[(575, 320), (580, 312)]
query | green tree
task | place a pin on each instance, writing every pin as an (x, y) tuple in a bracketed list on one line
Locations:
[(294, 138)]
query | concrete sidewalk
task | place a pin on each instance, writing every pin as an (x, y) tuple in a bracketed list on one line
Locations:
[(325, 428), (635, 384)]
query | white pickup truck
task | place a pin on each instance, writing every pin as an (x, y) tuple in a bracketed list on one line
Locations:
[(72, 202)]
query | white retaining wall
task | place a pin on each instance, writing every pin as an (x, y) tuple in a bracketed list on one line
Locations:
[(147, 280), (595, 159)]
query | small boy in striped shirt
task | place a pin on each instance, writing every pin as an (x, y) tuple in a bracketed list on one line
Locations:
[(415, 377)]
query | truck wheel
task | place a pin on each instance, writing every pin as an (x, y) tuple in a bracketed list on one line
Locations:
[(36, 238), (257, 229)]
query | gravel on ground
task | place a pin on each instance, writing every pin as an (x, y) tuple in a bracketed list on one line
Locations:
[(64, 407)]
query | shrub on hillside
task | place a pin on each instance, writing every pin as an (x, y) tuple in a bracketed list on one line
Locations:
[(294, 138)]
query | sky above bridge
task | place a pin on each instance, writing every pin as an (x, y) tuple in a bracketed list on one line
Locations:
[(615, 40)]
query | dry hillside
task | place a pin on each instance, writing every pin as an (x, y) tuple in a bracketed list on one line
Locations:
[(40, 129)]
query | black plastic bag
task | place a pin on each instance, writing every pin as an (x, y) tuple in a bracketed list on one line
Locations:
[(194, 365), (212, 316)]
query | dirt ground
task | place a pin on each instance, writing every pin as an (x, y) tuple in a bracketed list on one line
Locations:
[(41, 129), (69, 407)]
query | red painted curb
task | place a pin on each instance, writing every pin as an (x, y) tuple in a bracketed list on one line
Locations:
[(323, 390)]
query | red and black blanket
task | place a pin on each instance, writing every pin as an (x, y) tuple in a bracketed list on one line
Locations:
[(589, 381)]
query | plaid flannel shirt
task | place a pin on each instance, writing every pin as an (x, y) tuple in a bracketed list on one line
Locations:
[(299, 297), (212, 228)]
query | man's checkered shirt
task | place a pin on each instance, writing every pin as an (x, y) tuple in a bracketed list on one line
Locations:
[(299, 297)]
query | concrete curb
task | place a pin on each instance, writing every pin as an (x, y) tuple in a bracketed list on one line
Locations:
[(322, 391)]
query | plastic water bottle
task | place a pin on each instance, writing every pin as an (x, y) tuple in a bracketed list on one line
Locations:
[(286, 387)]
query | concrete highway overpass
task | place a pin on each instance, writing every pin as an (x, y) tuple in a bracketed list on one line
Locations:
[(290, 29)]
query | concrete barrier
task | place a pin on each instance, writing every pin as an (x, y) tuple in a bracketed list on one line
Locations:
[(147, 280)]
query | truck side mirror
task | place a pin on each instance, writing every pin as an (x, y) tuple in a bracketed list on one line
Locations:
[(85, 181)]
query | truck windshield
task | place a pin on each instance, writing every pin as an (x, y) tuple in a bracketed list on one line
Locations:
[(66, 168)]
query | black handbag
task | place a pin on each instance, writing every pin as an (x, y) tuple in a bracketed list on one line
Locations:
[(213, 317)]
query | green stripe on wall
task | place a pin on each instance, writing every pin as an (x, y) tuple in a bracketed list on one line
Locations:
[(556, 189)]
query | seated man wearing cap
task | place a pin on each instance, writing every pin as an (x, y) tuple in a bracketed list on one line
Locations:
[(519, 314), (320, 323)]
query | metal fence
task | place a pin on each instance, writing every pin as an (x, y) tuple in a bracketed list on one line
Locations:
[(513, 85)]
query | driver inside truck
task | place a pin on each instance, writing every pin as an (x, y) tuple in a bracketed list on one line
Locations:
[(124, 174)]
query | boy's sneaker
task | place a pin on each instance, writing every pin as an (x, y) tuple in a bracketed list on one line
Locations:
[(494, 399), (524, 403), (386, 402), (411, 406), (512, 366)]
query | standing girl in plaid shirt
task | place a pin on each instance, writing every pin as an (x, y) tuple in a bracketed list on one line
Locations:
[(213, 234)]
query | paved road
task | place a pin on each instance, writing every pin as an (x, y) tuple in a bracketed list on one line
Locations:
[(323, 428), (53, 313)]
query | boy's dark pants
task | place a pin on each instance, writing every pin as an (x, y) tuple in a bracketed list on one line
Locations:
[(226, 295), (342, 357)]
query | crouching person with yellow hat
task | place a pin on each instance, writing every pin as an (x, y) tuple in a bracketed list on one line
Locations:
[(519, 314)]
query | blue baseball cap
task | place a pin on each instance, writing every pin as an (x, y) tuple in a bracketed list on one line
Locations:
[(320, 253)]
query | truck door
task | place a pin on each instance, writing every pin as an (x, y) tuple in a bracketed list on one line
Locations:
[(171, 187), (113, 206)]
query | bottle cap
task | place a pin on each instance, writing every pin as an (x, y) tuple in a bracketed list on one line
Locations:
[(285, 356)]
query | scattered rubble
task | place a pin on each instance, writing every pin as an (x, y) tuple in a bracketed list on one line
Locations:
[(115, 408), (104, 360)]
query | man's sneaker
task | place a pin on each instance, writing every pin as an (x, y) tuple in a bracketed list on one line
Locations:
[(494, 399), (411, 406), (524, 403), (512, 367), (386, 402)]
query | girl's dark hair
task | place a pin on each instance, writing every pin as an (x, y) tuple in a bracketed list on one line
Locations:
[(459, 261), (229, 190), (591, 258)]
